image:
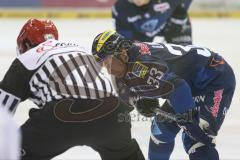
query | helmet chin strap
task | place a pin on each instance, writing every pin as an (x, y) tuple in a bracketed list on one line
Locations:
[(28, 46), (17, 51)]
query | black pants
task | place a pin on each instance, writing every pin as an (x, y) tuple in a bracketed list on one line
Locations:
[(48, 133)]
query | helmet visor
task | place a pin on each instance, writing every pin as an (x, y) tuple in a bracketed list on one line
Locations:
[(112, 48)]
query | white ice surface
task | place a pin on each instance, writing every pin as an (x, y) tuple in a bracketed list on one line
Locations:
[(221, 35)]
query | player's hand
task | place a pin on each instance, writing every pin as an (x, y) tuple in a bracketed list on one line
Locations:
[(145, 106), (133, 98), (196, 133), (178, 29)]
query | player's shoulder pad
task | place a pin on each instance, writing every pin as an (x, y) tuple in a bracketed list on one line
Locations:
[(36, 56)]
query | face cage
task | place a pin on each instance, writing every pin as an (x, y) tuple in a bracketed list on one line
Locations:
[(101, 59), (104, 52), (112, 48)]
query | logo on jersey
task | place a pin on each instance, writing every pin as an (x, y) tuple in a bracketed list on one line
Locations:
[(134, 18), (217, 100), (161, 7), (200, 98), (225, 110), (139, 70), (217, 60), (46, 46), (144, 49), (150, 25), (49, 45)]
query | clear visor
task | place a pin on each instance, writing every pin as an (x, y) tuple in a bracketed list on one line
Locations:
[(112, 48), (103, 58)]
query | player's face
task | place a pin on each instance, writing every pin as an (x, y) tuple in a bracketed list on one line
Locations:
[(140, 3), (116, 66)]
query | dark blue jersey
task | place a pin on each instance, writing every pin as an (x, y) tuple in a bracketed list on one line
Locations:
[(180, 74), (146, 22), (175, 73), (190, 63)]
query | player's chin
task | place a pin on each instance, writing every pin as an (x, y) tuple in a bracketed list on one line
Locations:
[(115, 73), (139, 4), (119, 76)]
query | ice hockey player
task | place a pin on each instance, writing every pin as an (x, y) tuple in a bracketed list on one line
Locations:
[(9, 136), (152, 20), (197, 83), (143, 20), (77, 103)]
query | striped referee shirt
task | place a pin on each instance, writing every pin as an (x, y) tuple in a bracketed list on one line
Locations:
[(52, 71)]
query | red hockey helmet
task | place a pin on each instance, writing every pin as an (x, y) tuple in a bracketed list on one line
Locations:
[(35, 32)]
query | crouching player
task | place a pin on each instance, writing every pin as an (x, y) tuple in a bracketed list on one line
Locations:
[(195, 81)]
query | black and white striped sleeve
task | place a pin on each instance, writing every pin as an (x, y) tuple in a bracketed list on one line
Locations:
[(14, 86), (9, 101)]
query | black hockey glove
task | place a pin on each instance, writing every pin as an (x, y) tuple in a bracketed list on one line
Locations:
[(145, 106), (178, 29), (194, 129)]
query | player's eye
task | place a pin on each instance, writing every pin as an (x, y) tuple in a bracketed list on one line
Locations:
[(109, 48)]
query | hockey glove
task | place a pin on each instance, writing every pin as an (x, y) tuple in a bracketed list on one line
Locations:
[(193, 130), (178, 29), (145, 106)]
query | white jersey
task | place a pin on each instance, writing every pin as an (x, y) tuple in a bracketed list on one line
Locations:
[(9, 137), (52, 71)]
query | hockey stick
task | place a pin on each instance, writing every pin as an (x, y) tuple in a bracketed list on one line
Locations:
[(172, 117), (178, 117), (163, 114)]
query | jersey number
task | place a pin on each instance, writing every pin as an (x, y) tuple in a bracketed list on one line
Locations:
[(178, 50), (154, 77)]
